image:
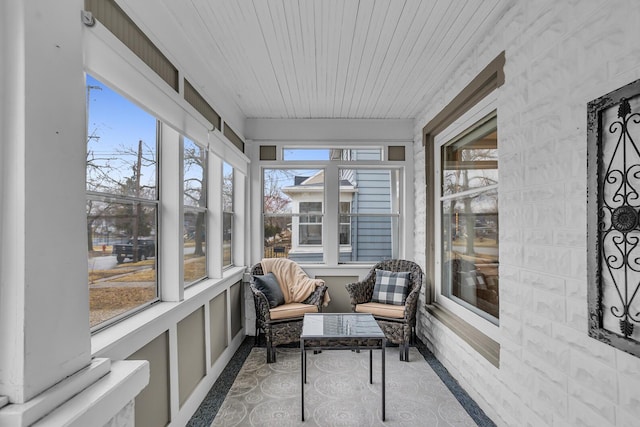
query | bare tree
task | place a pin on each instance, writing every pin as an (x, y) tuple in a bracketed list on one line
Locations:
[(464, 176), (195, 189), (275, 202)]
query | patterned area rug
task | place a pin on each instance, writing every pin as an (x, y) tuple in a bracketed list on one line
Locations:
[(338, 392)]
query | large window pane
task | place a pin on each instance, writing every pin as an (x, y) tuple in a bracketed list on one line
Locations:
[(122, 261), (469, 221), (121, 182), (293, 203), (369, 212), (195, 212), (295, 216)]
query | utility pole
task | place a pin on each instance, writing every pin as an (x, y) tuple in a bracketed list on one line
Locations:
[(89, 138)]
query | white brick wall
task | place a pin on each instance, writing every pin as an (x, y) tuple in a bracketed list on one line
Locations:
[(559, 56)]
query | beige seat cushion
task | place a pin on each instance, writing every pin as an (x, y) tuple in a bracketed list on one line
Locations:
[(384, 310), (291, 310)]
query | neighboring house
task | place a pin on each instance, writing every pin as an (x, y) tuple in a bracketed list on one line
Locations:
[(364, 194)]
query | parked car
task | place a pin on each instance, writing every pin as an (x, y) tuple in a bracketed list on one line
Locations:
[(145, 248)]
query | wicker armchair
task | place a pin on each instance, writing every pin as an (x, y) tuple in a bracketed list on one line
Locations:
[(401, 329), (282, 330)]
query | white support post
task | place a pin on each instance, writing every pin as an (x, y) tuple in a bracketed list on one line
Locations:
[(239, 217), (214, 244), (44, 297), (171, 216), (45, 344)]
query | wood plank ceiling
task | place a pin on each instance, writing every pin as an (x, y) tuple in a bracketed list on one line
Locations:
[(323, 58)]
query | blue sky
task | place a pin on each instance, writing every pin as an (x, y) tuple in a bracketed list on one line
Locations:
[(306, 154), (115, 125)]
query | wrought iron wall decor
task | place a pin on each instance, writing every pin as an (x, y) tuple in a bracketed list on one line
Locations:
[(613, 196)]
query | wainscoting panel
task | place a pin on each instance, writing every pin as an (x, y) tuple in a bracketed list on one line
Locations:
[(152, 404), (191, 353), (338, 293), (218, 325), (235, 298)]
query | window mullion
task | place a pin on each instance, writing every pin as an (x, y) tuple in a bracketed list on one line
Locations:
[(331, 217)]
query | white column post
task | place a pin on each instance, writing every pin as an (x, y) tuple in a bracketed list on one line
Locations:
[(171, 215), (240, 217), (214, 227), (44, 294), (331, 215), (45, 344)]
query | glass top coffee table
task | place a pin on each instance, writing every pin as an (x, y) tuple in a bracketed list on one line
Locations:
[(340, 331)]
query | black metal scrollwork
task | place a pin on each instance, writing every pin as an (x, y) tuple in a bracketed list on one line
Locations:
[(618, 221)]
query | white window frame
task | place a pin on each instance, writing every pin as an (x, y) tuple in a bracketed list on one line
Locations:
[(466, 121), (331, 205)]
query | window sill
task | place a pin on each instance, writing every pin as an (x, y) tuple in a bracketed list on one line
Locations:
[(485, 346), (121, 339)]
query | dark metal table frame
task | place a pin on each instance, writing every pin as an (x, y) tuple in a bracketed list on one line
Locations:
[(341, 331)]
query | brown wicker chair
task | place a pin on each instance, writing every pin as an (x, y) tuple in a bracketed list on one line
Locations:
[(284, 330), (399, 331)]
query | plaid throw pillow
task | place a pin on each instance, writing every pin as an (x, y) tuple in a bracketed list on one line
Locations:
[(390, 287)]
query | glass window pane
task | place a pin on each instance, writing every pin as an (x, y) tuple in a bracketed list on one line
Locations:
[(122, 257), (195, 160), (370, 191), (471, 161), (121, 164), (470, 252), (293, 213), (195, 245), (306, 154), (369, 207), (227, 217), (121, 145), (227, 187), (227, 227), (277, 236), (372, 238), (337, 154)]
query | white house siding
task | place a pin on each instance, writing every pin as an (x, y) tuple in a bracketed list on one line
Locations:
[(559, 56)]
